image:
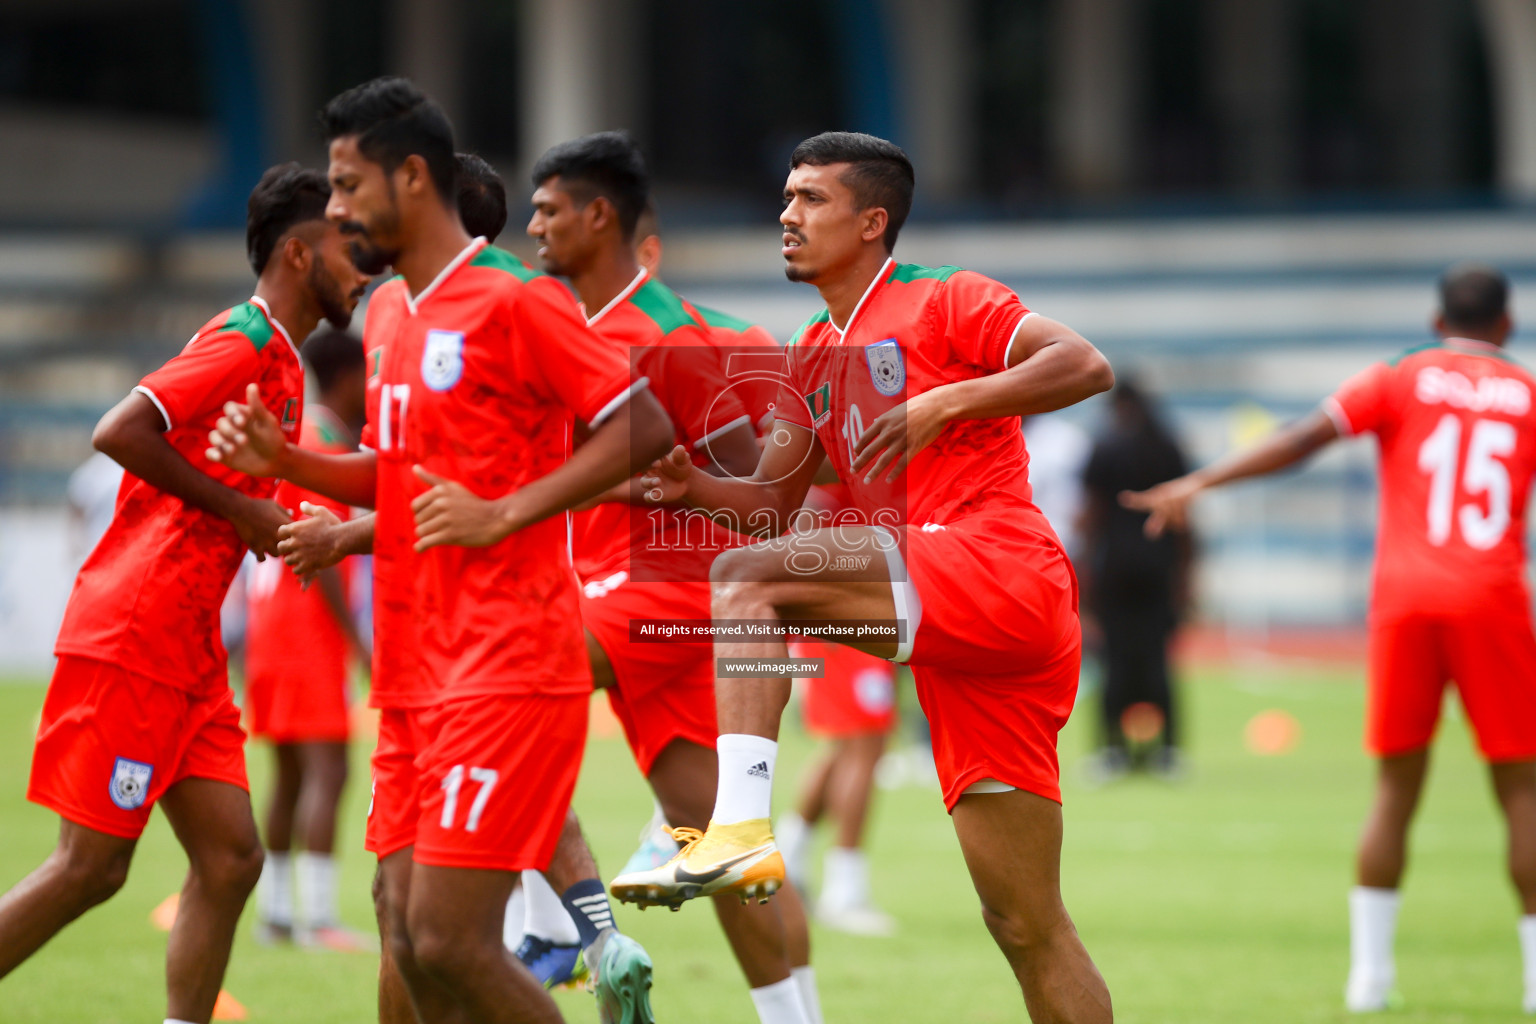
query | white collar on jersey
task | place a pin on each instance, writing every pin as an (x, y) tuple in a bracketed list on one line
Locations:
[(266, 311), (1474, 345), (842, 332), (464, 256), (629, 290)]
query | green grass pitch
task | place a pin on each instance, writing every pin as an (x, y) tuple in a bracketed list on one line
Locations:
[(1221, 899)]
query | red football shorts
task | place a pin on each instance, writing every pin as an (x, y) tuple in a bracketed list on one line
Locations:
[(396, 804), (662, 691), (855, 696), (997, 649), (308, 706), (111, 743), (1491, 659), (496, 779)]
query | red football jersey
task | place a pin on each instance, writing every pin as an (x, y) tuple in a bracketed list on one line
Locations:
[(648, 325), (148, 597), (915, 329), (752, 377), (481, 376), (396, 678), (1457, 431), (289, 627)]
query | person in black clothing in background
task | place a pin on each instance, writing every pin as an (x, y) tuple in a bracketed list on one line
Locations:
[(1135, 588)]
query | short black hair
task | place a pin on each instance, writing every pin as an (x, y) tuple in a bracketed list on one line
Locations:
[(286, 195), (331, 353), (1473, 296), (393, 120), (881, 174), (606, 164), (482, 197)]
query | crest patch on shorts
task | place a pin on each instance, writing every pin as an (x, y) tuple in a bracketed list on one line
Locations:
[(129, 787)]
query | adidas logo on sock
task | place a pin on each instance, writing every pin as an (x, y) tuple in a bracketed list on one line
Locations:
[(759, 770)]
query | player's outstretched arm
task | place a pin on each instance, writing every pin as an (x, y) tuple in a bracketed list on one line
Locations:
[(450, 513), (759, 505), (1050, 366), (322, 540), (247, 438), (132, 434), (1168, 503)]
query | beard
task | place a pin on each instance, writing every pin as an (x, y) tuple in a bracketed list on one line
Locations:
[(798, 274), (369, 257), (333, 304)]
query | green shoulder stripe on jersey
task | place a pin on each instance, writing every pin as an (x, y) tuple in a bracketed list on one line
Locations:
[(906, 272), (1413, 351), (820, 318), (500, 259), (715, 318), (662, 305), (328, 432), (248, 319)]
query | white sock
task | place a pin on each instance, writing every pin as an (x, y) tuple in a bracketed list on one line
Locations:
[(793, 834), (275, 890), (512, 921), (544, 915), (805, 981), (1527, 928), (746, 778), (316, 877), (1372, 924), (780, 1003), (173, 1020), (845, 878)]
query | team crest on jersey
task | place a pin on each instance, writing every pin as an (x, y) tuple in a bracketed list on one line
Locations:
[(819, 402), (885, 366), (442, 361), (290, 417), (129, 787)]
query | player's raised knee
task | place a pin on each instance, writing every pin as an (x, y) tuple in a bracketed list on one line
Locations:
[(94, 875)]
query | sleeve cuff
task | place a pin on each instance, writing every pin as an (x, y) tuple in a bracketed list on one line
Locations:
[(1334, 411), (618, 400), (1013, 336), (141, 389), (741, 420)]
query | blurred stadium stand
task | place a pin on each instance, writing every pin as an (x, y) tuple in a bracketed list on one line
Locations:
[(1240, 202)]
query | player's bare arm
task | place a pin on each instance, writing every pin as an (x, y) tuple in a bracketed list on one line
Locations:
[(132, 434), (248, 438), (1050, 366), (321, 540), (450, 513), (757, 505), (1168, 503), (734, 453)]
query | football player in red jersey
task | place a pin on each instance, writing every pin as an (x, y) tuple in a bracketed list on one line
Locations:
[(484, 365), (1456, 426), (313, 544), (637, 563), (300, 648), (911, 381), (139, 711)]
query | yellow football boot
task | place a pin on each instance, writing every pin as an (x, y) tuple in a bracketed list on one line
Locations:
[(741, 859)]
